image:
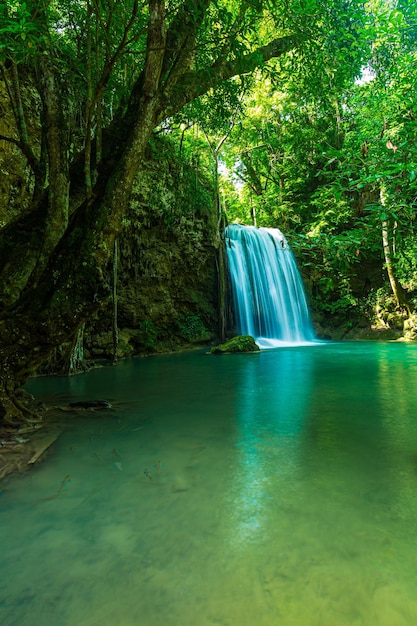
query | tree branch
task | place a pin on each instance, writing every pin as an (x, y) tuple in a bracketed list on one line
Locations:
[(196, 83), (57, 149), (104, 27), (234, 31), (25, 149), (94, 100), (155, 47), (187, 20), (23, 142), (180, 41)]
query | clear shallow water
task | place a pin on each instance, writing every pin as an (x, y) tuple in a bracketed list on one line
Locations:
[(280, 490)]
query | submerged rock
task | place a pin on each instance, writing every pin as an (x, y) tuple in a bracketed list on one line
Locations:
[(91, 404), (242, 343)]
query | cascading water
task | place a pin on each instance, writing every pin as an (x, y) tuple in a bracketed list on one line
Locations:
[(268, 293)]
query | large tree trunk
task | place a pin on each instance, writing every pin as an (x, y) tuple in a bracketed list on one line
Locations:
[(54, 268), (42, 309), (48, 313)]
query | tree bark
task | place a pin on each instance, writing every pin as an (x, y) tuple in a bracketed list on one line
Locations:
[(399, 292), (115, 326)]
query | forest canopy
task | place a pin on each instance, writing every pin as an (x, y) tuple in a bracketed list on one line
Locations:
[(336, 170)]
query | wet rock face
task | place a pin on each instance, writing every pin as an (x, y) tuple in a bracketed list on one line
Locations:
[(167, 276), (166, 269)]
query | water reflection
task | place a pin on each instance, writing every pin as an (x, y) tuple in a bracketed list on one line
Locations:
[(282, 491), (273, 399)]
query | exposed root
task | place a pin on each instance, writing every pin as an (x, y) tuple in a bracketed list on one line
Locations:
[(18, 415), (21, 446)]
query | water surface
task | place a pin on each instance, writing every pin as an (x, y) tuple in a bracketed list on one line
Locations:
[(271, 489)]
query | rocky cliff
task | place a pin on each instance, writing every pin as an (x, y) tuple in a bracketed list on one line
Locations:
[(166, 263)]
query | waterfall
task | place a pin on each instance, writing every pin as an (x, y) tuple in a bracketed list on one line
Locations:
[(268, 293)]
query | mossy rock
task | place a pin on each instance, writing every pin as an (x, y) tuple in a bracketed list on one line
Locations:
[(242, 343)]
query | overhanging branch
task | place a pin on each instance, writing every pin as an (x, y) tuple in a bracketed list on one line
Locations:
[(194, 84), (181, 36), (155, 47)]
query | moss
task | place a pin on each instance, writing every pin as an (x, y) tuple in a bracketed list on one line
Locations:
[(242, 343), (191, 328)]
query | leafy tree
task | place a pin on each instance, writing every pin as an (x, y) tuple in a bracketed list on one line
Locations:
[(107, 74), (373, 173), (276, 151), (336, 168)]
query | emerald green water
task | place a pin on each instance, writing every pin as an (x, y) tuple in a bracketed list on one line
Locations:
[(272, 489)]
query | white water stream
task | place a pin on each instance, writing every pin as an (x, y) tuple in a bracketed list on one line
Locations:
[(268, 293)]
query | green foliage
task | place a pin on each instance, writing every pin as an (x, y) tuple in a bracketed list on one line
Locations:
[(191, 327), (147, 334), (213, 111), (374, 168), (19, 35), (176, 186), (328, 159), (330, 263), (406, 263)]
